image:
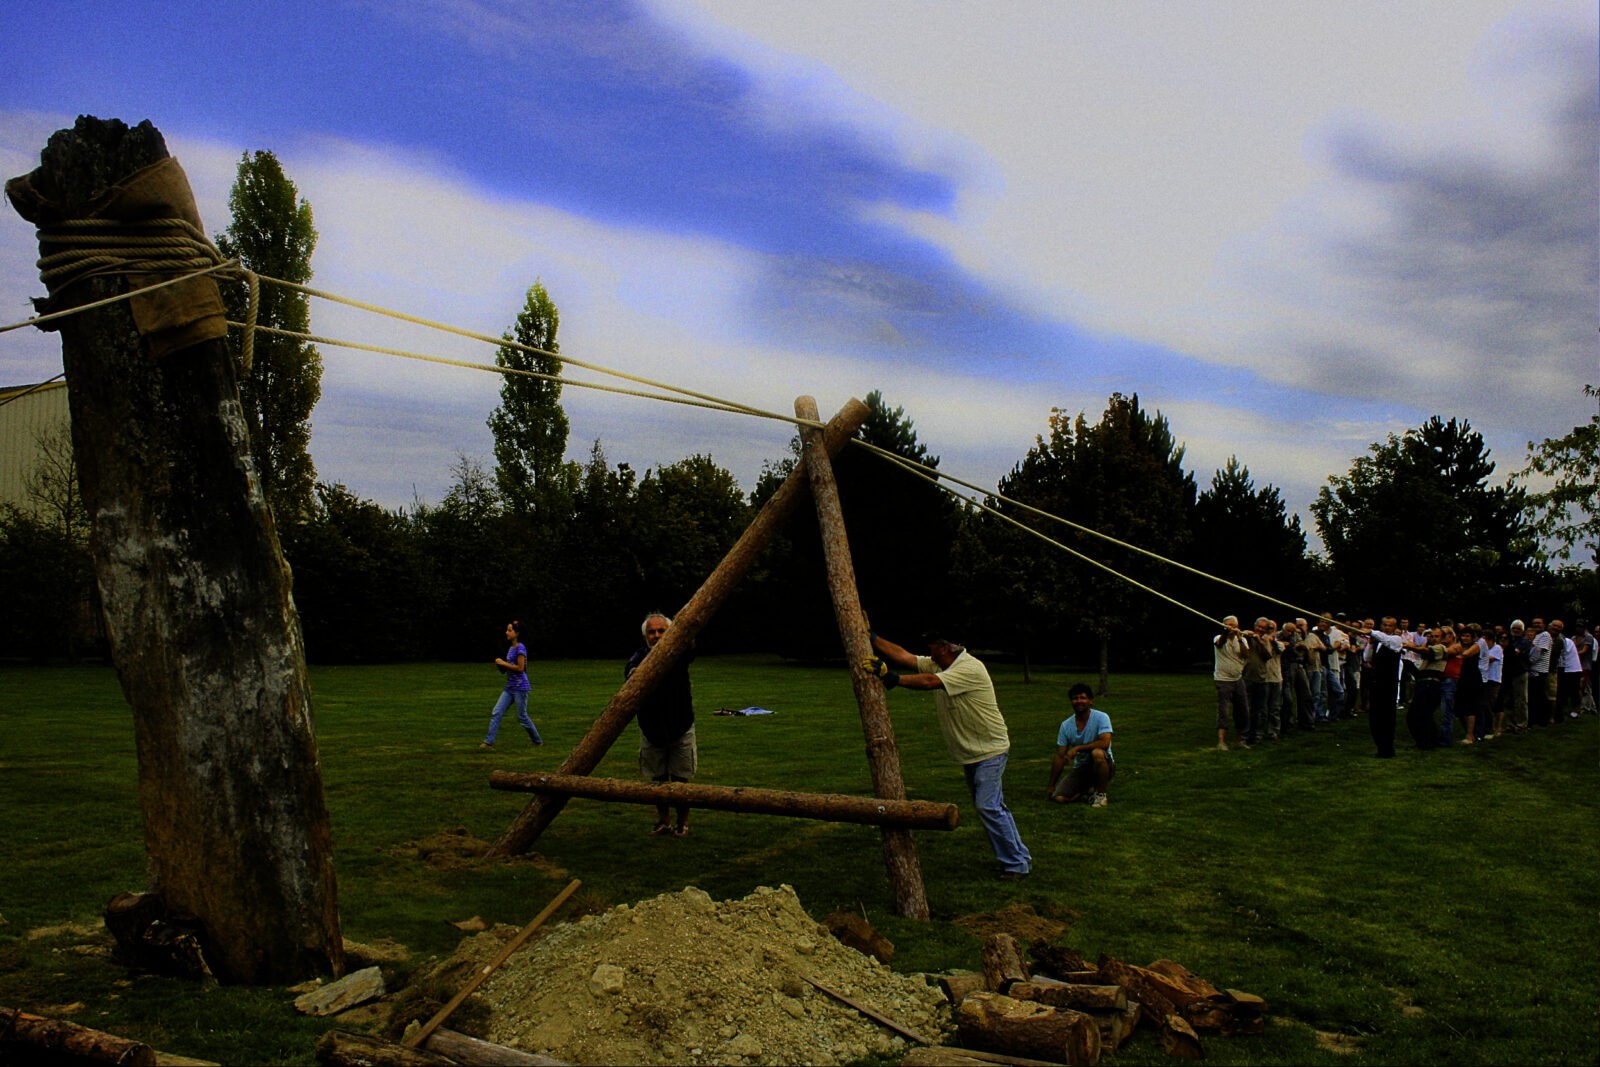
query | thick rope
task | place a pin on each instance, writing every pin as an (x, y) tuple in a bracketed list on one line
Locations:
[(491, 368), (91, 247), (936, 476), (719, 402), (941, 479), (76, 249)]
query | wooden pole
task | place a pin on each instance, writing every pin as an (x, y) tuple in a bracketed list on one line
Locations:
[(883, 752), (193, 587), (833, 807), (679, 640), (487, 969)]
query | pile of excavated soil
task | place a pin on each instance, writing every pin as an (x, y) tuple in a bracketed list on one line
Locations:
[(684, 979)]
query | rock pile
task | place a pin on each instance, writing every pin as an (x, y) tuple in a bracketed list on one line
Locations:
[(684, 979)]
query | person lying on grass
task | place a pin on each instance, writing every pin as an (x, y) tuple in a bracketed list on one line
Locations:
[(1085, 740)]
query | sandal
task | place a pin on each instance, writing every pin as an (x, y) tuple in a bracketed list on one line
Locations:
[(659, 829)]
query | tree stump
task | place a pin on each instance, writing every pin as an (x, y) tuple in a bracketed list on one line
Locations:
[(193, 587)]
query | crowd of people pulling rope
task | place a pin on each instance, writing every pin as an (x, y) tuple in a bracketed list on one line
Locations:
[(1455, 682)]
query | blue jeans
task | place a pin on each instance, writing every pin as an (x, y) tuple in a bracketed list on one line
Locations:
[(1319, 708), (1333, 686), (500, 706), (1447, 704), (983, 782)]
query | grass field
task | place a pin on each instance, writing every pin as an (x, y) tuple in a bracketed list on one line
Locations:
[(1436, 908)]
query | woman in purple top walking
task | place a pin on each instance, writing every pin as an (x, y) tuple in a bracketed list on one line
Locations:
[(515, 668)]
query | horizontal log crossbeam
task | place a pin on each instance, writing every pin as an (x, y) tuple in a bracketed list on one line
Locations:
[(831, 807)]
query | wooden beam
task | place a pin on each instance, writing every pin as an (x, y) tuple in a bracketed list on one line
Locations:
[(678, 642), (483, 973), (832, 807), (883, 752)]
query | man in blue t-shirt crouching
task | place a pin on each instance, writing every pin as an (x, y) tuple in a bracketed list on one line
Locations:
[(1085, 741)]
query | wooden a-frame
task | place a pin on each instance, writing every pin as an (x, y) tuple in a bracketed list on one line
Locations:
[(883, 755)]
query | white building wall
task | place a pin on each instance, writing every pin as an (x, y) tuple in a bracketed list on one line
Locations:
[(26, 417)]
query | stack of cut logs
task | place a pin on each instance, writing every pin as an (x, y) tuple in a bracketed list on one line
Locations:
[(1064, 1009)]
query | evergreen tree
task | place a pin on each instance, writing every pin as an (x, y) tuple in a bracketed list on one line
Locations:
[(1246, 535), (529, 426), (271, 234), (1415, 528), (1122, 477)]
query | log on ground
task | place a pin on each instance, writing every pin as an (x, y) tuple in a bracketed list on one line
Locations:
[(831, 807), (26, 1038), (957, 987), (998, 1023), (1179, 1039), (951, 1056), (475, 1052), (1226, 1015), (1072, 995), (1182, 975), (1117, 1026), (1002, 963), (341, 1048), (1141, 986)]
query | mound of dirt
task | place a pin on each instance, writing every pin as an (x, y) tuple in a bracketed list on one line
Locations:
[(1021, 921), (684, 979)]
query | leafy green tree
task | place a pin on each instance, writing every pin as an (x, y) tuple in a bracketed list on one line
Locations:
[(362, 580), (271, 234), (898, 524), (1122, 477), (1246, 535), (530, 427), (465, 534), (48, 580), (45, 566), (1567, 510), (1416, 529), (602, 595), (686, 515)]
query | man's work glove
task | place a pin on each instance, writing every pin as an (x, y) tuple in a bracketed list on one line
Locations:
[(876, 667)]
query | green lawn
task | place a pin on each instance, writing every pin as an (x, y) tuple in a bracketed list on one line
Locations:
[(1436, 908)]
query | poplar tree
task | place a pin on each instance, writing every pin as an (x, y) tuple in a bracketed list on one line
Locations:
[(271, 234), (529, 426)]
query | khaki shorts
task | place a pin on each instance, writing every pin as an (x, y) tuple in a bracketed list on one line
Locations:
[(1079, 778), (676, 761)]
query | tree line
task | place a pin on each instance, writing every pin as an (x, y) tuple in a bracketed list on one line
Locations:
[(579, 551)]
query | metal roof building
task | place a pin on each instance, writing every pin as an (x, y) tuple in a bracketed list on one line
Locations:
[(28, 415)]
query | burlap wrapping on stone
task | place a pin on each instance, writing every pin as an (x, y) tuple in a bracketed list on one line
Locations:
[(170, 318)]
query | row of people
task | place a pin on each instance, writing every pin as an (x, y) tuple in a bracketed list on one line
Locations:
[(1489, 679)]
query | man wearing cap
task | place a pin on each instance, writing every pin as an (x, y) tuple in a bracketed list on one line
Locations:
[(974, 730)]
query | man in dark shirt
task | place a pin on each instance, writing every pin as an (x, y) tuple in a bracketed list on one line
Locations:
[(666, 726)]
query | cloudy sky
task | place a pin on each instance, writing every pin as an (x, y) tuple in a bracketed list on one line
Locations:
[(1292, 227)]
